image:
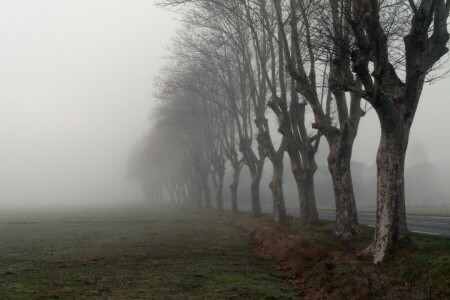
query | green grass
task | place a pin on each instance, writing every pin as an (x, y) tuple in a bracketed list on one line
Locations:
[(428, 263), (161, 253), (423, 270)]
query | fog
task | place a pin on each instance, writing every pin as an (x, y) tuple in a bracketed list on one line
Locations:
[(76, 80), (76, 91)]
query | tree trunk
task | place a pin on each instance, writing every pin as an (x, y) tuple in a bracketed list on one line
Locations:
[(192, 193), (305, 185), (219, 192), (198, 196), (234, 187), (179, 195), (391, 231), (276, 186), (171, 194), (308, 208), (184, 194), (256, 200), (339, 164), (207, 192)]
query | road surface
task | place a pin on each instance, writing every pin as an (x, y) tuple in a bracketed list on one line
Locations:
[(428, 225)]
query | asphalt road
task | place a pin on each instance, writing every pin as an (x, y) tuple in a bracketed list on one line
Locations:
[(428, 225)]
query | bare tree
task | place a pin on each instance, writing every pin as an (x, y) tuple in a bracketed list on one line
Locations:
[(340, 135), (239, 71), (393, 87)]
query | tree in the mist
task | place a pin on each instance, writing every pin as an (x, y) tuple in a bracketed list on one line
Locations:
[(305, 62), (224, 139), (263, 64), (156, 163), (232, 73), (392, 58), (184, 108), (225, 66), (212, 92), (301, 145), (251, 57), (249, 31), (237, 70)]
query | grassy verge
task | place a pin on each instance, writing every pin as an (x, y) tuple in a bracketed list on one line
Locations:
[(161, 253), (420, 273), (329, 269)]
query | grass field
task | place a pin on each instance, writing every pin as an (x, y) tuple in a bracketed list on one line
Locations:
[(151, 253)]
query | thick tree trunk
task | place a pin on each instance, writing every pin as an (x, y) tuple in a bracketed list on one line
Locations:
[(192, 193), (199, 195), (179, 193), (276, 186), (391, 231), (171, 194), (184, 195), (255, 167), (200, 198), (207, 192), (305, 185), (219, 192), (308, 208), (255, 197), (339, 164), (234, 187)]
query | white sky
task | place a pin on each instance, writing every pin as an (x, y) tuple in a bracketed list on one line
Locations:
[(76, 85), (76, 82)]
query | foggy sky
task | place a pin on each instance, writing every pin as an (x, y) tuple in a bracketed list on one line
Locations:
[(76, 80), (76, 86)]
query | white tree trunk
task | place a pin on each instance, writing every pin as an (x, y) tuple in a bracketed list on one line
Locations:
[(391, 230)]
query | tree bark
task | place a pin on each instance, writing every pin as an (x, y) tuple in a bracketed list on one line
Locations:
[(192, 192), (233, 187), (276, 186), (305, 185), (207, 192), (308, 208), (391, 231), (171, 193), (339, 164), (255, 197), (199, 196), (219, 192), (184, 195), (180, 193)]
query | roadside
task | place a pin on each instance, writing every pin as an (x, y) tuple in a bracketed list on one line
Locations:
[(327, 269)]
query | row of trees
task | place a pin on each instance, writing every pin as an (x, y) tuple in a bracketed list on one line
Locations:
[(314, 67)]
